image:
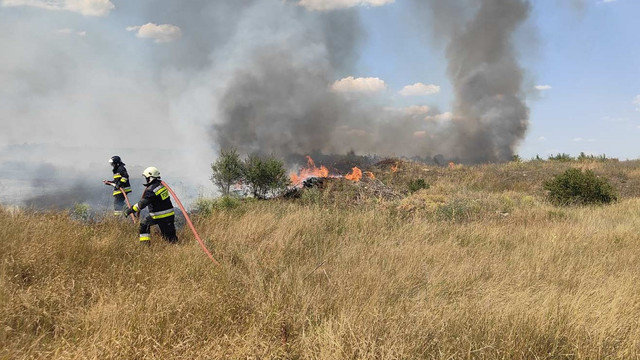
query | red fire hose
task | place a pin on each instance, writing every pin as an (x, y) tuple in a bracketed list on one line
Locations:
[(126, 198), (193, 229)]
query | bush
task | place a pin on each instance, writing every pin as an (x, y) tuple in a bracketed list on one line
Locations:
[(561, 157), (81, 212), (265, 175), (574, 187), (417, 184), (205, 207), (591, 158)]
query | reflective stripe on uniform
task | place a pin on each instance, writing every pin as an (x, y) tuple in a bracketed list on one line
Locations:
[(162, 214), (159, 190), (145, 237), (117, 176), (136, 208), (124, 180), (117, 192), (117, 213)]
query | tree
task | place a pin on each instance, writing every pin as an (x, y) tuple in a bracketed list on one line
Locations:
[(227, 170), (265, 175)]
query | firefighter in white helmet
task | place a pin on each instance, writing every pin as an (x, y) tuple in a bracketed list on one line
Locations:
[(156, 197)]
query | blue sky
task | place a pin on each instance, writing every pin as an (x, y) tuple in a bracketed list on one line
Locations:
[(590, 57)]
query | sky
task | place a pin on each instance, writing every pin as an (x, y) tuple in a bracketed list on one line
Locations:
[(588, 58), (169, 83)]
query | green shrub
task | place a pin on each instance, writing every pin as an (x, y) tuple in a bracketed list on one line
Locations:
[(205, 207), (265, 175), (561, 157), (594, 158), (417, 184), (81, 211), (574, 187)]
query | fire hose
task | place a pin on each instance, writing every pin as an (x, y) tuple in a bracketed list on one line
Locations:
[(193, 229), (126, 198)]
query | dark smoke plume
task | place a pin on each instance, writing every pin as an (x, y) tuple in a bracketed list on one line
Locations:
[(280, 101), (490, 116)]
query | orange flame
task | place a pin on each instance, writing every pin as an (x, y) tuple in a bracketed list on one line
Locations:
[(355, 175), (310, 171), (452, 165), (370, 175), (394, 168)]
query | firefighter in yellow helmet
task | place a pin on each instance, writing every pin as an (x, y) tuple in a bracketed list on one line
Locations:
[(156, 197), (120, 183)]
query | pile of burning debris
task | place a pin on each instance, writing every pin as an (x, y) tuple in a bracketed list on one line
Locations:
[(364, 182)]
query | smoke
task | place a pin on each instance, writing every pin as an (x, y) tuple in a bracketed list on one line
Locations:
[(250, 74), (278, 100), (490, 116)]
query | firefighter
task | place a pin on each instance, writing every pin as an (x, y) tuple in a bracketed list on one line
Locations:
[(156, 197), (120, 182)]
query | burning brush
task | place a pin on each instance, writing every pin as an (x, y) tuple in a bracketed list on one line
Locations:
[(312, 171)]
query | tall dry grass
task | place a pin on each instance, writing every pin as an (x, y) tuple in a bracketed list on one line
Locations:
[(450, 272)]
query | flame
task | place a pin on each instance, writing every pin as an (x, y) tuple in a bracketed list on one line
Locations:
[(307, 172), (311, 170), (452, 165), (355, 175), (394, 168)]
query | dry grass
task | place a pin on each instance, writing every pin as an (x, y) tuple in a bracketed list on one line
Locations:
[(477, 266)]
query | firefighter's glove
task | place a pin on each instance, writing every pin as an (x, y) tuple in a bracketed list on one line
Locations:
[(127, 211)]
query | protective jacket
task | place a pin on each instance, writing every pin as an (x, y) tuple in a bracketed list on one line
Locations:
[(120, 180), (156, 197)]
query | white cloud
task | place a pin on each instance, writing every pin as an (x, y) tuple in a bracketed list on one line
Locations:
[(543, 87), (440, 117), (363, 85), (578, 139), (542, 138), (636, 101), (420, 89), (411, 110), (160, 33), (325, 5), (84, 7)]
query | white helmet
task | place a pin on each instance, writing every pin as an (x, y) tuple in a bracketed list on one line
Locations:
[(151, 172)]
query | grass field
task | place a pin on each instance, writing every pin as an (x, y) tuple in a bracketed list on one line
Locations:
[(477, 266)]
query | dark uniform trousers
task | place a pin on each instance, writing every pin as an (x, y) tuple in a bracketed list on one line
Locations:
[(166, 225), (118, 204)]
